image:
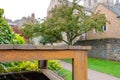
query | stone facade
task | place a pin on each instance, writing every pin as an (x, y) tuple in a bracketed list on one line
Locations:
[(103, 48)]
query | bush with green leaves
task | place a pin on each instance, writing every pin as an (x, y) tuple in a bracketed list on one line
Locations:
[(7, 36), (1, 69), (54, 65), (19, 66), (19, 39)]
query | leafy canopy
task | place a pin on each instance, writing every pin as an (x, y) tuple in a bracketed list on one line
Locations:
[(72, 20)]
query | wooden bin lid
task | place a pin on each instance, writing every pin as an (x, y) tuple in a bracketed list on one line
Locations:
[(39, 47)]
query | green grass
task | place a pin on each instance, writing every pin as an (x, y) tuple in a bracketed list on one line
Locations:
[(66, 73), (105, 66), (68, 60)]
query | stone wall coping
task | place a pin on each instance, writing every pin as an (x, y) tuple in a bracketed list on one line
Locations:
[(39, 47)]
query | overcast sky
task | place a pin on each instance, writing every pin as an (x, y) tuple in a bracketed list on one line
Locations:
[(16, 9)]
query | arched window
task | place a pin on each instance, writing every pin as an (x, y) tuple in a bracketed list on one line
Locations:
[(104, 28)]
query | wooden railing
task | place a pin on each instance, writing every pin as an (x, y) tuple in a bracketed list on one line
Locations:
[(78, 54)]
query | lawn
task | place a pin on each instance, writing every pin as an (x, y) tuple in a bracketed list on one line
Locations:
[(105, 66), (66, 73)]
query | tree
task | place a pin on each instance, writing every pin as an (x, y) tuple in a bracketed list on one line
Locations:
[(7, 36), (72, 21), (47, 39), (29, 29), (32, 30)]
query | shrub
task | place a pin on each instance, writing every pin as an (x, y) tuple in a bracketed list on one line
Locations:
[(54, 65), (1, 69), (19, 39), (20, 66), (7, 36)]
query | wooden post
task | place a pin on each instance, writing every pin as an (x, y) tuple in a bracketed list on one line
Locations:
[(42, 64), (79, 66)]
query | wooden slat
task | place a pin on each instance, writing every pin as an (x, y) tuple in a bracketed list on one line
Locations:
[(53, 47), (80, 47), (62, 47), (6, 46), (44, 47), (24, 55), (37, 47), (51, 75), (25, 47)]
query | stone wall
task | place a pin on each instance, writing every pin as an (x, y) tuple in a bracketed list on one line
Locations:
[(103, 48)]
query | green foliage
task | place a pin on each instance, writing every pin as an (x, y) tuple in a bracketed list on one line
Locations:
[(54, 65), (67, 75), (28, 66), (47, 39), (1, 69), (30, 29), (19, 66), (19, 39), (72, 21), (24, 66), (1, 12), (49, 32), (6, 34)]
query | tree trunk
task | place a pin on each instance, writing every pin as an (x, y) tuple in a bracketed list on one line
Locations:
[(70, 42)]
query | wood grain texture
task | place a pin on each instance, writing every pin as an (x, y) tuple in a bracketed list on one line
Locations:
[(37, 47), (51, 75), (4, 46)]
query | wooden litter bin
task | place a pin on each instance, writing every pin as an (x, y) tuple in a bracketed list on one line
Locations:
[(78, 54)]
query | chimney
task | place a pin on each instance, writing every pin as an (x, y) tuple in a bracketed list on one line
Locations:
[(33, 16)]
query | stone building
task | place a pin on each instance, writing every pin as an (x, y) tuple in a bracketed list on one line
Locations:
[(107, 44), (17, 25), (55, 3), (28, 19)]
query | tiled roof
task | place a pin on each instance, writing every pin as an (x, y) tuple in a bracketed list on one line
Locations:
[(114, 8)]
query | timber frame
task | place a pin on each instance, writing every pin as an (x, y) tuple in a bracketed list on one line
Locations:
[(78, 54)]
